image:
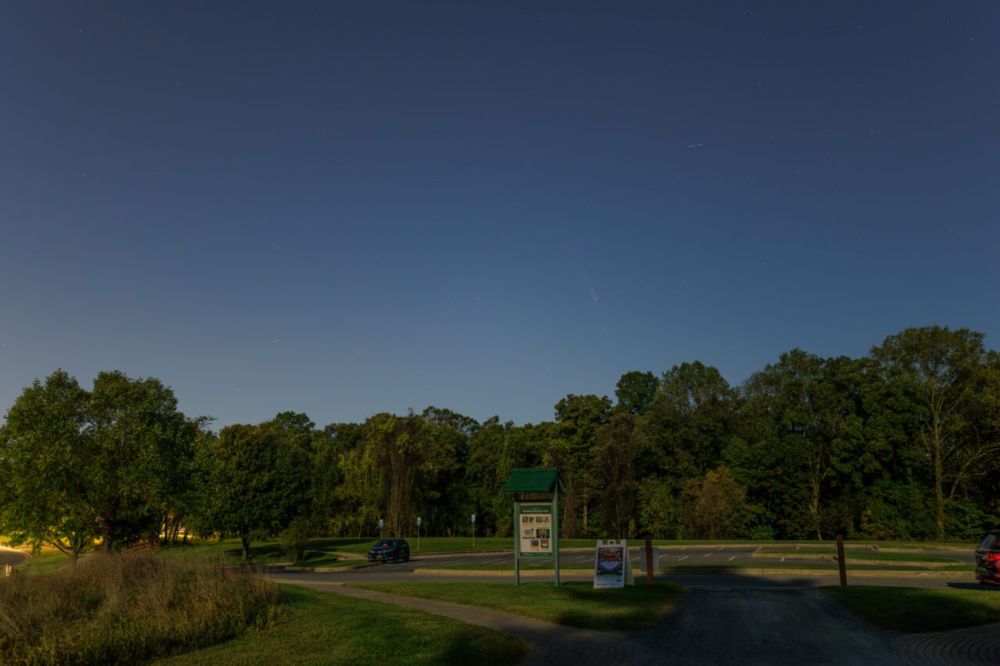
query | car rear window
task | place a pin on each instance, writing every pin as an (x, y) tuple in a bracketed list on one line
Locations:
[(989, 541)]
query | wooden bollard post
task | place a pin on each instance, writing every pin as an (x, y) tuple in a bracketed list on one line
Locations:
[(650, 565), (841, 560)]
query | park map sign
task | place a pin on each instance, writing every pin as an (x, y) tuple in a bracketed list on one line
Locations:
[(535, 530), (536, 515)]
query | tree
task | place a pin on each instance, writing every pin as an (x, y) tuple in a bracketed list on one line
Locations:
[(39, 498), (947, 374), (138, 446), (577, 417), (715, 505), (635, 392), (257, 481), (395, 466), (614, 472), (691, 420), (494, 450), (332, 511), (117, 457), (793, 393)]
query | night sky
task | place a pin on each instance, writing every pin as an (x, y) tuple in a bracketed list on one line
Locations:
[(347, 208)]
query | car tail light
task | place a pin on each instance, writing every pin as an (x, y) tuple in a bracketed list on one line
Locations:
[(992, 557)]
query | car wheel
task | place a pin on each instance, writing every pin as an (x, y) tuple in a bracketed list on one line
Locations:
[(406, 558)]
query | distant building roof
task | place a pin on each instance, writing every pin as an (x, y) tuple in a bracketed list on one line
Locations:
[(533, 480)]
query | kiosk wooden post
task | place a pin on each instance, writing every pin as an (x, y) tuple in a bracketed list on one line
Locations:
[(535, 492)]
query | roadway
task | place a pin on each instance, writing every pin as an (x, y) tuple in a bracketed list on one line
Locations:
[(727, 565)]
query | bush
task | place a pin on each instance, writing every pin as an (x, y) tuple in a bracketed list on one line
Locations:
[(126, 609), (294, 538)]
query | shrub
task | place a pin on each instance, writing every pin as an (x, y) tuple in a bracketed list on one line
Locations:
[(293, 539), (124, 609)]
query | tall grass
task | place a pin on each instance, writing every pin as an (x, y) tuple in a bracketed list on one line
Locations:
[(127, 609)]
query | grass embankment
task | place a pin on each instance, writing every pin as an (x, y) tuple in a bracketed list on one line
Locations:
[(915, 610), (573, 604), (813, 565), (854, 554), (45, 561), (323, 628), (123, 610)]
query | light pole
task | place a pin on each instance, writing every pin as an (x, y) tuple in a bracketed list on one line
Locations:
[(418, 533), (381, 525), (473, 531)]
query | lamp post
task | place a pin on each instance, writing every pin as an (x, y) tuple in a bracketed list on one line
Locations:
[(418, 533)]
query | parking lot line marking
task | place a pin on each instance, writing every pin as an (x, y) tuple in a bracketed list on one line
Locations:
[(732, 558), (683, 557), (707, 554)]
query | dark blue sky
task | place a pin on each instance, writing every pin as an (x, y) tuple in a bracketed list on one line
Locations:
[(343, 209)]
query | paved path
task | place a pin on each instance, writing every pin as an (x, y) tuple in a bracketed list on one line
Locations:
[(779, 626)]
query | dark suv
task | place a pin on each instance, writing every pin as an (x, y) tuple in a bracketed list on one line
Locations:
[(988, 558), (389, 549)]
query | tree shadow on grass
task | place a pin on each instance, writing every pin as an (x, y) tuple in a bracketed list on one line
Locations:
[(983, 587), (468, 647)]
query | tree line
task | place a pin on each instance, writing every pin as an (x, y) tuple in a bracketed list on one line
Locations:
[(902, 443)]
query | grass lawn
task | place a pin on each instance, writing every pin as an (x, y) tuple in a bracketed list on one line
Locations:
[(47, 560), (574, 604), (323, 628), (857, 554), (914, 610), (818, 565)]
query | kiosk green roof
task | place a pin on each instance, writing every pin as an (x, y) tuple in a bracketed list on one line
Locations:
[(533, 480)]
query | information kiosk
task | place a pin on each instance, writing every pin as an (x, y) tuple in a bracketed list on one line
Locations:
[(536, 516)]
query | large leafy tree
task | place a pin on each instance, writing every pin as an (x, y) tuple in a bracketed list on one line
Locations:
[(692, 418), (395, 467), (715, 505), (113, 462), (494, 450), (257, 481), (139, 447), (42, 497), (948, 374), (635, 392), (615, 454), (578, 418)]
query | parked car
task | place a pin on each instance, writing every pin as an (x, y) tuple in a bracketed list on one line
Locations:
[(385, 550), (988, 558)]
